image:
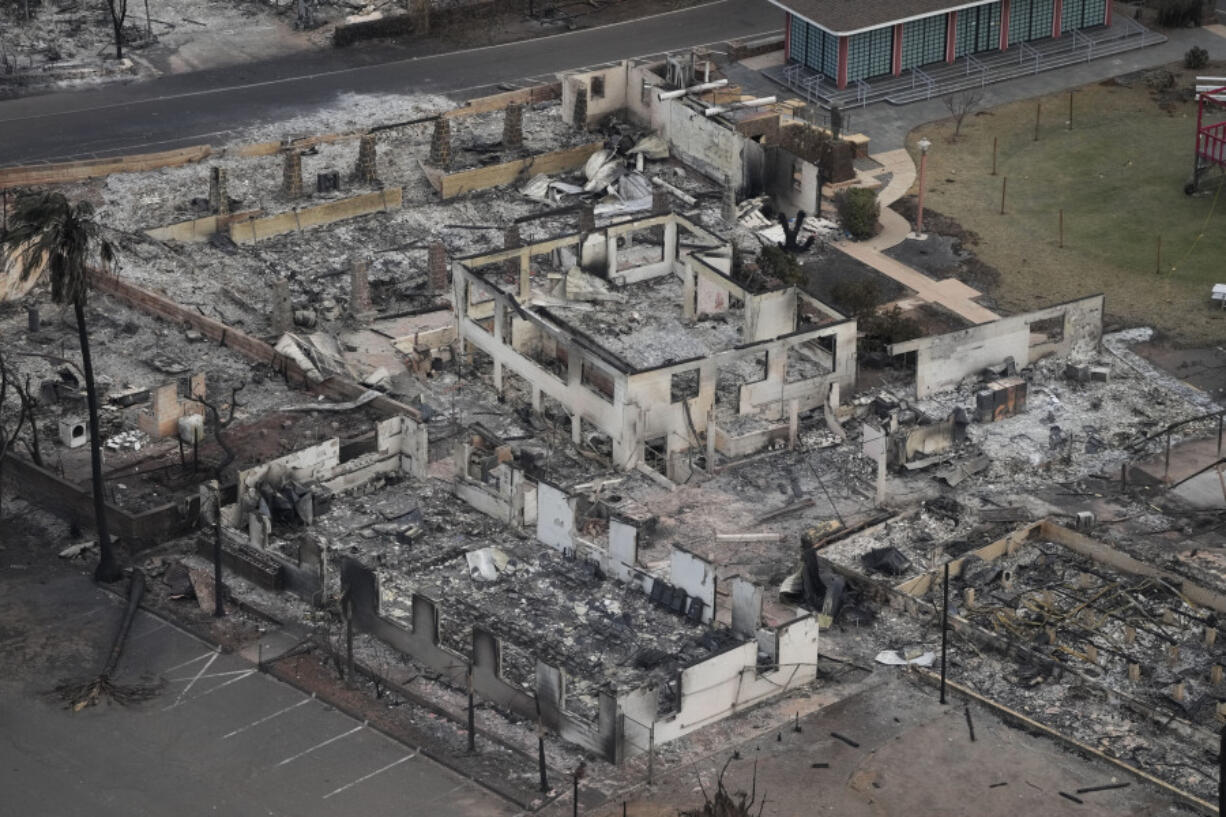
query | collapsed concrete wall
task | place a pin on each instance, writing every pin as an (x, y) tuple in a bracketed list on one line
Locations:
[(1072, 329)]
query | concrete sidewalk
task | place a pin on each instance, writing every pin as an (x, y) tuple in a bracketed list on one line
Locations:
[(949, 293)]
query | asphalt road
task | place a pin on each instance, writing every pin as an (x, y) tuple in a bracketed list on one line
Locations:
[(220, 737), (183, 109)]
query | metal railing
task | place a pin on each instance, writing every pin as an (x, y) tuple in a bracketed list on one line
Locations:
[(918, 73), (972, 63), (1026, 51), (863, 89), (1079, 38)]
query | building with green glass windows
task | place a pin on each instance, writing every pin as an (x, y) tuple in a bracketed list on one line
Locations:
[(850, 40)]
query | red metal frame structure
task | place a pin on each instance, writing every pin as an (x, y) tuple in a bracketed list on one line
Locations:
[(1210, 136)]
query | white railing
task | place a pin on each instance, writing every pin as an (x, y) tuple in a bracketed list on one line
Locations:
[(862, 91), (1027, 52), (972, 63), (917, 73)]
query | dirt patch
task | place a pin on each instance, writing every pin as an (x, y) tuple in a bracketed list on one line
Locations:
[(935, 319), (830, 267), (953, 257), (1203, 367)]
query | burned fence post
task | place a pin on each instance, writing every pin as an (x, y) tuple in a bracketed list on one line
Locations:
[(219, 609), (472, 715), (651, 751), (577, 775), (540, 756), (944, 629)]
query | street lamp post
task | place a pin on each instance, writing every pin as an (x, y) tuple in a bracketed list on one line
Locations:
[(924, 144)]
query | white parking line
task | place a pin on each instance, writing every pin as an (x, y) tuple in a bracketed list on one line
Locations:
[(192, 683), (267, 718), (357, 728), (211, 675), (366, 777), (246, 673), (161, 626), (190, 661)]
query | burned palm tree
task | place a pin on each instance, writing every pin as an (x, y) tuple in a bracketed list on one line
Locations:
[(791, 232), (92, 691), (50, 233)]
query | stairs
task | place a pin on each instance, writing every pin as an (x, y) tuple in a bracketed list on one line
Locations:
[(972, 71)]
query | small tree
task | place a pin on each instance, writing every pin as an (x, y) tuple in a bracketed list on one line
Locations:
[(858, 210), (119, 12), (961, 105), (1195, 57), (776, 262)]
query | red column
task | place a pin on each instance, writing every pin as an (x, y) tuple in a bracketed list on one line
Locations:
[(1004, 24), (1057, 13), (843, 61), (951, 35), (787, 36), (1107, 18), (896, 66)]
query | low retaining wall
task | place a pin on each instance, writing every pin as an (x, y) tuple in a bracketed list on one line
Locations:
[(450, 185), (198, 229), (257, 229), (496, 102), (91, 168), (136, 531)]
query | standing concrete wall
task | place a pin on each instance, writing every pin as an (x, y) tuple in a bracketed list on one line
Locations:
[(942, 361)]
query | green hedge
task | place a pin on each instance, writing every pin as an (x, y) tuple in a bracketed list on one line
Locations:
[(858, 210)]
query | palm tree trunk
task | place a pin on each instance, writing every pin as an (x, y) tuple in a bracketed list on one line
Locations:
[(108, 569)]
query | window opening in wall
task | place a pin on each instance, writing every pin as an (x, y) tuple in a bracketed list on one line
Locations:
[(597, 381), (597, 87), (830, 343), (731, 376), (518, 667), (797, 176), (1050, 330), (655, 454), (804, 363), (683, 386)]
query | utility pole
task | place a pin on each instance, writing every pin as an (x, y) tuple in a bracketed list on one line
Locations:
[(577, 775), (540, 755), (472, 715), (944, 630)]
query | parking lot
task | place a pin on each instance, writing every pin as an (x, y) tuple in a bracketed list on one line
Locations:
[(219, 737)]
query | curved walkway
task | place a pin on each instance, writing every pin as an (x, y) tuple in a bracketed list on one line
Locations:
[(949, 293)]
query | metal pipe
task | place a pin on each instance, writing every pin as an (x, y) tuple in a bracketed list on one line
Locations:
[(693, 89), (748, 103)]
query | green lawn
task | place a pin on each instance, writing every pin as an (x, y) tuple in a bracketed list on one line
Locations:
[(1118, 175)]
